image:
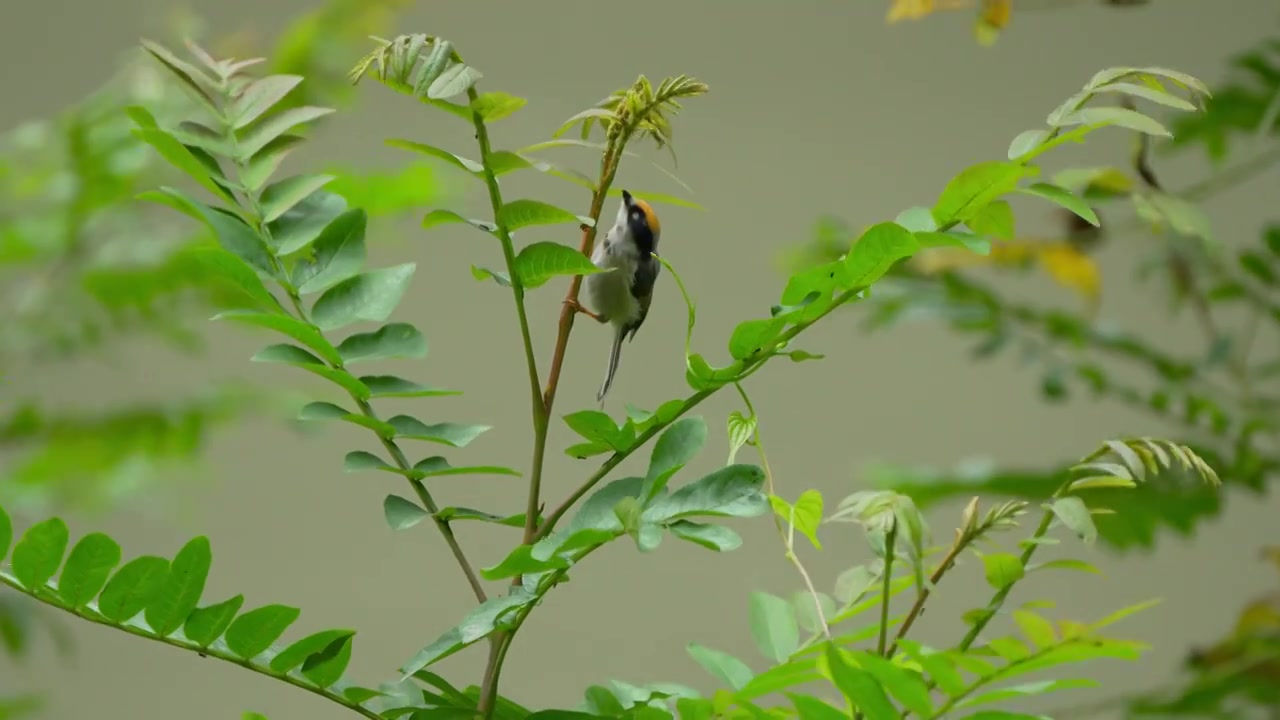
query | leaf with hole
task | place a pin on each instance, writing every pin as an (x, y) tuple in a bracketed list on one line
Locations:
[(38, 554), (370, 296), (88, 567), (206, 624), (402, 514), (447, 433), (180, 592), (337, 254), (132, 588), (254, 631), (541, 261)]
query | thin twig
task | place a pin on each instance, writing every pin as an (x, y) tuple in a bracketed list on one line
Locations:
[(788, 537)]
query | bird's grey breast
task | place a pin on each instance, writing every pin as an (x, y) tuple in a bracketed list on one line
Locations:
[(610, 292)]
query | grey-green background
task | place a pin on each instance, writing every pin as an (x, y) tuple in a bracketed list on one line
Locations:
[(816, 107)]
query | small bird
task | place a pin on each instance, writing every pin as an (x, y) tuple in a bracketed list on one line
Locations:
[(622, 296)]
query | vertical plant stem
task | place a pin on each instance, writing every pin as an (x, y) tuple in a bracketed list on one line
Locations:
[(890, 539), (500, 642), (539, 408)]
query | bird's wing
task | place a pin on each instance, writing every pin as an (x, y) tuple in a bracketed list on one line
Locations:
[(642, 290)]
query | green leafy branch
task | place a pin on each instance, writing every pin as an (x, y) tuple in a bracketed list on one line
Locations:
[(881, 682), (304, 239), (158, 599)]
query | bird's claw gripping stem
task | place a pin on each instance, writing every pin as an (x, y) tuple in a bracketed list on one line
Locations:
[(577, 307)]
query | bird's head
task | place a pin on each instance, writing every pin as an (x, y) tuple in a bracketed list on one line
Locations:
[(641, 222)]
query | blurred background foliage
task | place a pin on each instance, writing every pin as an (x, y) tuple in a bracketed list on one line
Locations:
[(86, 268), (1220, 399)]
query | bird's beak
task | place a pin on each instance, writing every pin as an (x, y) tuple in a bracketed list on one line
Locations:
[(626, 198)]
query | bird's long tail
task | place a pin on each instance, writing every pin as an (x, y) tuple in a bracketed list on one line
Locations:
[(615, 354)]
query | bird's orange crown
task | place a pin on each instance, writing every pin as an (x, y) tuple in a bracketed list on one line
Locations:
[(650, 216)]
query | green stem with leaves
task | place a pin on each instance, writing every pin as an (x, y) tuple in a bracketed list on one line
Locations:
[(997, 600), (543, 400), (331, 693), (540, 410)]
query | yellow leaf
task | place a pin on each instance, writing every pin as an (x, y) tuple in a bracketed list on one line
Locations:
[(1073, 270), (991, 21), (996, 13), (916, 9)]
